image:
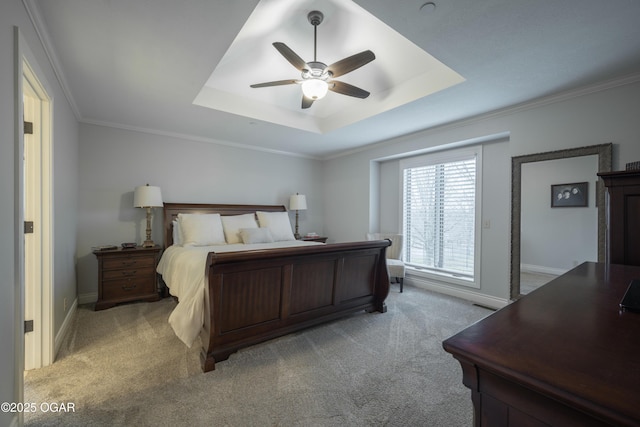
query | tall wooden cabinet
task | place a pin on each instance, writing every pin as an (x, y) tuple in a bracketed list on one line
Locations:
[(623, 216)]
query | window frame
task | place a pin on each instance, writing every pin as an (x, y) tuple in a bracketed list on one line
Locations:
[(438, 158)]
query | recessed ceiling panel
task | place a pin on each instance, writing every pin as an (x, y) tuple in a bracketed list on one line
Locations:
[(401, 72)]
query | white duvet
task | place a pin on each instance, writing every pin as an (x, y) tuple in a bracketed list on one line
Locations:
[(183, 271)]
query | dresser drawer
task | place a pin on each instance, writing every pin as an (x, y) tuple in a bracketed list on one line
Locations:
[(129, 261), (127, 273), (131, 288)]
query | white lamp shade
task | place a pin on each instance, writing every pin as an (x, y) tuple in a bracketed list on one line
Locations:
[(298, 202), (147, 196), (314, 88)]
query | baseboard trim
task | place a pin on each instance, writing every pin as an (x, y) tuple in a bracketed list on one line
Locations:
[(64, 329), (89, 298), (530, 268), (469, 295)]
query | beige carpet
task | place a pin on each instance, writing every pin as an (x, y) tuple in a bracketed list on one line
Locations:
[(529, 281), (124, 367)]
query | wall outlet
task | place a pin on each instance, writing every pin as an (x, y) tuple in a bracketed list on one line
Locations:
[(486, 223)]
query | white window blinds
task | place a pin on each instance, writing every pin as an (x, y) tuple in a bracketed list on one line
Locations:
[(439, 215)]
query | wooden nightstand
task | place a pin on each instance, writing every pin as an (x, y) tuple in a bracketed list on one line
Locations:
[(126, 275), (314, 239)]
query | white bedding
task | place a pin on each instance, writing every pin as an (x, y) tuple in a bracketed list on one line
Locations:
[(183, 271)]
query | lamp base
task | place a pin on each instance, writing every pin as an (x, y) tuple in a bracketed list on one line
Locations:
[(296, 234), (148, 244)]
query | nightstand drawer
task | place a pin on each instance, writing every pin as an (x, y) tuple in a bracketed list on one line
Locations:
[(128, 262), (127, 273), (131, 288)]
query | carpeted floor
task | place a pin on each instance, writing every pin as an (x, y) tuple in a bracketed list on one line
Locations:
[(124, 367), (530, 281)]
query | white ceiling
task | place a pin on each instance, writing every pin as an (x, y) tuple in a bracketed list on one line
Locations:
[(401, 72), (140, 64)]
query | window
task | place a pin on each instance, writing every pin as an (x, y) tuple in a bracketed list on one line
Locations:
[(440, 212)]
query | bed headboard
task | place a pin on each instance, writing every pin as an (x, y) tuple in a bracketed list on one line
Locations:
[(171, 211)]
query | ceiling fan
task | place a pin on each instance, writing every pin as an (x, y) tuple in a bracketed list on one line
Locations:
[(316, 76)]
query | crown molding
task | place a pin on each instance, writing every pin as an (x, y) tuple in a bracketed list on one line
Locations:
[(516, 108), (195, 138), (43, 34), (536, 103), (568, 94)]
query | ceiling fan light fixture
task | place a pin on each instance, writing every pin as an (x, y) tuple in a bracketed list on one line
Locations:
[(314, 88), (317, 76)]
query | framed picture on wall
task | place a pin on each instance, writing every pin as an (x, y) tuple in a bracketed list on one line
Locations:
[(569, 195)]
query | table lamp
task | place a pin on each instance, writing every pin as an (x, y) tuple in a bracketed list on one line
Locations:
[(146, 196), (297, 202)]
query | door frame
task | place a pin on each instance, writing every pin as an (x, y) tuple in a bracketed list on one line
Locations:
[(37, 195), (26, 67)]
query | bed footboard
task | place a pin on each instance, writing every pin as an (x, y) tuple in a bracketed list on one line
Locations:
[(258, 295)]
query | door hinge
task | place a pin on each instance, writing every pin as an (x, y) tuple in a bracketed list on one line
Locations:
[(28, 128), (28, 227), (28, 326)]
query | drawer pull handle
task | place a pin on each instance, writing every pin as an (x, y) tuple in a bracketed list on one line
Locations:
[(128, 288), (128, 263), (129, 273)]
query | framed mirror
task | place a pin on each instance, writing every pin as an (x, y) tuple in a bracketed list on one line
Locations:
[(604, 155)]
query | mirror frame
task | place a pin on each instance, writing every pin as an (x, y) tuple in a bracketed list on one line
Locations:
[(604, 153)]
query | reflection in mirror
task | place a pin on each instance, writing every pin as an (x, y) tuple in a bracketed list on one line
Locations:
[(554, 236), (565, 245)]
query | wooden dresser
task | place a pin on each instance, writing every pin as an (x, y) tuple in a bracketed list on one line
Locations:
[(563, 355), (623, 216), (126, 275)]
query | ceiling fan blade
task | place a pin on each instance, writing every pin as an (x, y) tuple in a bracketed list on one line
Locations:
[(275, 83), (351, 63), (290, 56), (347, 89), (306, 102)]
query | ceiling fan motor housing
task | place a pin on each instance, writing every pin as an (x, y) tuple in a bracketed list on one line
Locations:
[(316, 70), (315, 17)]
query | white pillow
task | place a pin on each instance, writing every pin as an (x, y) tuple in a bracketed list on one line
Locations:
[(177, 235), (278, 223), (233, 223), (201, 229), (256, 235)]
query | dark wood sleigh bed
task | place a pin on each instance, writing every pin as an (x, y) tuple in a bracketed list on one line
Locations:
[(253, 296)]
